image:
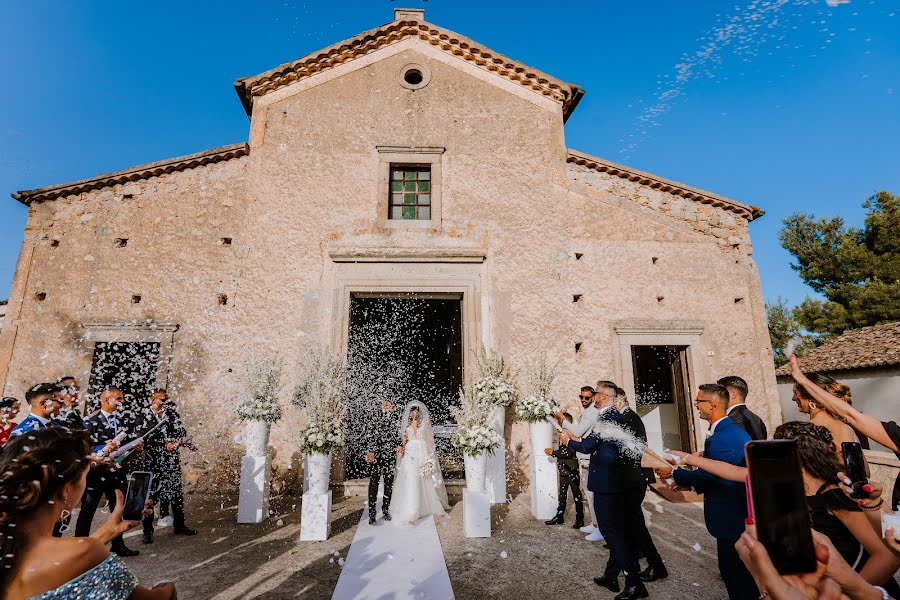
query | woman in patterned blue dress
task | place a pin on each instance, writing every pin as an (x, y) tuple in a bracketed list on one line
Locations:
[(42, 478)]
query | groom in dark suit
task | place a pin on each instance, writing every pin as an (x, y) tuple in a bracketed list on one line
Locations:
[(724, 502), (607, 480), (384, 445), (737, 408)]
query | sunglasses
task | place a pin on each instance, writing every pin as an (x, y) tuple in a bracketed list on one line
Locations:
[(585, 397), (699, 401)]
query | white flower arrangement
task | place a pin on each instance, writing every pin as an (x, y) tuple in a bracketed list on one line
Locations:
[(427, 469), (533, 409), (476, 439), (264, 383), (322, 392), (473, 435), (496, 385), (538, 404), (318, 438)]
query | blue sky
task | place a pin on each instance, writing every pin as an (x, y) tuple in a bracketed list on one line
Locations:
[(792, 105)]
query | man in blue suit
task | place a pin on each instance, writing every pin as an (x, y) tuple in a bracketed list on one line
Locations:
[(724, 502), (46, 401), (607, 480)]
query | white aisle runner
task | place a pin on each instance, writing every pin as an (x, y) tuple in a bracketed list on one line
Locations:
[(394, 562)]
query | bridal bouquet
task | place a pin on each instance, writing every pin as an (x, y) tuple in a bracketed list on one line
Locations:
[(538, 404), (427, 469), (320, 438), (264, 382), (496, 385)]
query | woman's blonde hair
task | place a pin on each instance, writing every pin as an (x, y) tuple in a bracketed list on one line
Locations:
[(830, 385)]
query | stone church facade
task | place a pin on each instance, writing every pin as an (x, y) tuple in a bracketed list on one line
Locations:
[(256, 247)]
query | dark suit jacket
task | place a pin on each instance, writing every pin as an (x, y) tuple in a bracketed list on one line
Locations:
[(606, 473), (750, 421), (100, 431), (724, 502), (384, 437), (71, 420), (635, 476)]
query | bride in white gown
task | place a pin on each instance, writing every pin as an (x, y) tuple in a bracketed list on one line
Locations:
[(418, 486)]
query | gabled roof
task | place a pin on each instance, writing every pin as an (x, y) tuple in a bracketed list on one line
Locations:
[(407, 23), (868, 347), (145, 171), (747, 211)]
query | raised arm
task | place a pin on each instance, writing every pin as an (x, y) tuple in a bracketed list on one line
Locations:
[(716, 467), (580, 428), (866, 425)]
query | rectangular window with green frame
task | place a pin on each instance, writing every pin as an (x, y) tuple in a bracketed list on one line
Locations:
[(410, 192)]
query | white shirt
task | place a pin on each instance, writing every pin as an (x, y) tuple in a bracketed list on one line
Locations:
[(41, 419), (731, 408), (586, 421), (110, 419)]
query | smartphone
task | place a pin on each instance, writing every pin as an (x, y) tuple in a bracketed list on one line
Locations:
[(855, 468), (779, 505), (137, 495)]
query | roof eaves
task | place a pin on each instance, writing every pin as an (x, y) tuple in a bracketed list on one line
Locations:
[(747, 211), (248, 87), (136, 173)]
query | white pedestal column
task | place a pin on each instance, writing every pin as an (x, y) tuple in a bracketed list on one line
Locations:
[(253, 498), (496, 464), (315, 517), (476, 514), (544, 483)]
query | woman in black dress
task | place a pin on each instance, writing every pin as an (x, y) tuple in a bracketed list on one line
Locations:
[(835, 514)]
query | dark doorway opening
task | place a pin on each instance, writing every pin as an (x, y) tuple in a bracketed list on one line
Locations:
[(662, 396), (129, 366), (404, 348)]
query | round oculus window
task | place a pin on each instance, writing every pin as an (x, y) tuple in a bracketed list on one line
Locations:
[(414, 76)]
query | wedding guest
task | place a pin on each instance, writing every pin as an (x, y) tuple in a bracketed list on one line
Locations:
[(70, 414), (45, 400), (586, 421), (886, 433), (737, 408), (635, 490), (9, 408), (820, 414), (606, 479), (43, 477), (835, 514), (833, 578), (384, 445), (568, 475), (161, 448), (724, 502), (103, 427)]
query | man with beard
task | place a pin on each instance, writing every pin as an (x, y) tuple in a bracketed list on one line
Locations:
[(70, 415), (384, 445), (161, 447)]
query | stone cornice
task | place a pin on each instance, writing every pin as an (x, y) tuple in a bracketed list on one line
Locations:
[(406, 255), (146, 171), (367, 42), (746, 211)]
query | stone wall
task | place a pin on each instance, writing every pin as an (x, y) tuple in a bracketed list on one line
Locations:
[(310, 190)]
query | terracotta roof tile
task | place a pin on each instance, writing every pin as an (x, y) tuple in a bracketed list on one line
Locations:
[(875, 346), (139, 172), (369, 41), (747, 211)]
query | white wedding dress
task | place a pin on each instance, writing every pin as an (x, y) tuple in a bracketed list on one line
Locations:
[(418, 489)]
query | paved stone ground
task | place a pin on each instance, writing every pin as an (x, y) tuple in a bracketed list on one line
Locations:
[(229, 561)]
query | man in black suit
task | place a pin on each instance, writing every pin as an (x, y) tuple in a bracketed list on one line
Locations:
[(103, 425), (384, 445), (70, 414), (567, 473), (606, 478), (635, 490), (738, 411)]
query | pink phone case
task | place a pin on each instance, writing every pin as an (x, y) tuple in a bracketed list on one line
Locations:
[(749, 499)]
